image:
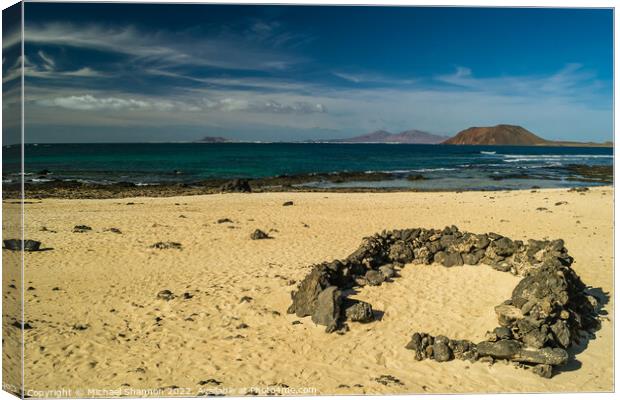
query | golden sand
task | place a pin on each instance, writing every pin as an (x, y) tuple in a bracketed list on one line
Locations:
[(97, 322)]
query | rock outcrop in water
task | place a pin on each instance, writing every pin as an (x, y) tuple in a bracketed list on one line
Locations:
[(549, 310)]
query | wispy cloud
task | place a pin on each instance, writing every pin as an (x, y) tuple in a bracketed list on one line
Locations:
[(162, 47), (573, 81), (89, 102), (372, 78)]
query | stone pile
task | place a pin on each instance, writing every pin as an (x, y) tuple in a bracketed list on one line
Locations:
[(548, 311)]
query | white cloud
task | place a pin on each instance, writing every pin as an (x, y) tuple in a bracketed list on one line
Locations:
[(92, 103), (372, 78), (571, 82), (48, 62), (163, 48), (88, 102)]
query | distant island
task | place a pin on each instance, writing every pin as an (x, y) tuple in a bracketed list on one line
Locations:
[(510, 135), (498, 135), (407, 137), (213, 139)]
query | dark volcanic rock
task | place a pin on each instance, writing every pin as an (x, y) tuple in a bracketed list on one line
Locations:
[(441, 352), (165, 295), (387, 271), (500, 350), (374, 278), (327, 310), (258, 235), (452, 259), (305, 298), (16, 245), (167, 245), (236, 185), (81, 228), (358, 311)]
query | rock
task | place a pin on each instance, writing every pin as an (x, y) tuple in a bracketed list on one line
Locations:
[(507, 314), (165, 295), (452, 259), (305, 298), (439, 257), (473, 258), (387, 271), (547, 355), (327, 310), (16, 245), (258, 235), (503, 333), (544, 370), (500, 350), (167, 245), (400, 252), (114, 230), (224, 221), (441, 352), (359, 311), (481, 241), (81, 228), (503, 247), (287, 203), (236, 185), (535, 338), (561, 333), (389, 380), (374, 278), (19, 325)]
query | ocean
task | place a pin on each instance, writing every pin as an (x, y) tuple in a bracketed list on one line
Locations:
[(444, 167)]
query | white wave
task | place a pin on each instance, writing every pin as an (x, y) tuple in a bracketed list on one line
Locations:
[(490, 153), (560, 156), (433, 169)]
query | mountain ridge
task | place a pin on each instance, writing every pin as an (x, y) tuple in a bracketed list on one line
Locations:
[(412, 136)]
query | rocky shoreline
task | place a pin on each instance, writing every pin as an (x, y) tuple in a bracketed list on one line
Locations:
[(283, 183), (550, 309)]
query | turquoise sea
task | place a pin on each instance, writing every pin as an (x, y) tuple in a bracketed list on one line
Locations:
[(446, 167)]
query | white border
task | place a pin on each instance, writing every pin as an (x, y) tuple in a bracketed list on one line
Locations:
[(478, 3)]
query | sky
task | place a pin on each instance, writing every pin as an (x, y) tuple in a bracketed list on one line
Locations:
[(155, 72)]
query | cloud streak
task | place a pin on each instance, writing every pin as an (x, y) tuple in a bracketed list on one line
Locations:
[(163, 48)]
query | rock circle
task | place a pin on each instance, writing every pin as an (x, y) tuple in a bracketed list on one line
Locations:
[(549, 311)]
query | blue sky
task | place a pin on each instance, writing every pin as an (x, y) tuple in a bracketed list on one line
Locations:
[(132, 72)]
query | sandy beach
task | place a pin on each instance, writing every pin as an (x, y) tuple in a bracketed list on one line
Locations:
[(98, 324)]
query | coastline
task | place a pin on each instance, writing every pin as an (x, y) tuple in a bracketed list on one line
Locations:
[(335, 182), (221, 337)]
